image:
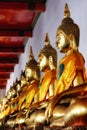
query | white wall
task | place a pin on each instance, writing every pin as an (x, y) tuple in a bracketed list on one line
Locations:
[(2, 92), (49, 22)]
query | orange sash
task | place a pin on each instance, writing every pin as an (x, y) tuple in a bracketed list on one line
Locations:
[(27, 96), (48, 78), (72, 63), (5, 112)]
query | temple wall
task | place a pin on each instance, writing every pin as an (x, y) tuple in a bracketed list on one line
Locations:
[(49, 22)]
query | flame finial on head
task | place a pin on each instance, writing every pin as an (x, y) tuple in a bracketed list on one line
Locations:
[(31, 56), (47, 40), (66, 11)]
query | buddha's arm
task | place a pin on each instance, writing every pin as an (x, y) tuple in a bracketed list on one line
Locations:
[(52, 85), (51, 65), (79, 79), (51, 90), (36, 97)]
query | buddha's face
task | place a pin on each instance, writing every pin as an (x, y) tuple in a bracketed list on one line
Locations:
[(18, 87), (43, 62), (4, 101), (23, 80), (62, 42), (9, 94), (31, 74)]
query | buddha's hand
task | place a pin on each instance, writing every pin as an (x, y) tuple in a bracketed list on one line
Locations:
[(28, 113), (49, 111)]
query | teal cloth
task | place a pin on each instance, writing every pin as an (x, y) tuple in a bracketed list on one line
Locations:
[(61, 69)]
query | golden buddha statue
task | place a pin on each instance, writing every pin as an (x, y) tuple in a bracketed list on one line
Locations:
[(6, 101), (23, 81), (27, 87), (32, 73), (47, 62), (19, 85), (31, 76), (4, 108), (9, 103), (71, 68), (12, 92)]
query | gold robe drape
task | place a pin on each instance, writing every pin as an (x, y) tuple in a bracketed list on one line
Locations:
[(47, 79)]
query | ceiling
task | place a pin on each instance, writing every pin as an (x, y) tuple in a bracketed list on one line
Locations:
[(17, 21)]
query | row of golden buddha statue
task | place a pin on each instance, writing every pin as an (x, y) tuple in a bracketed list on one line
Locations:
[(56, 100)]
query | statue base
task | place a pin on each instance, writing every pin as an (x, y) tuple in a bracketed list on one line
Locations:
[(60, 128), (46, 128)]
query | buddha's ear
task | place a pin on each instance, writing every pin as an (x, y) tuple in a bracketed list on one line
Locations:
[(73, 44), (50, 59), (71, 37), (51, 64)]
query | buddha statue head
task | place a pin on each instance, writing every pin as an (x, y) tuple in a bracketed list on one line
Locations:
[(12, 92), (3, 102), (23, 81), (18, 86), (47, 56), (67, 36), (32, 70)]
